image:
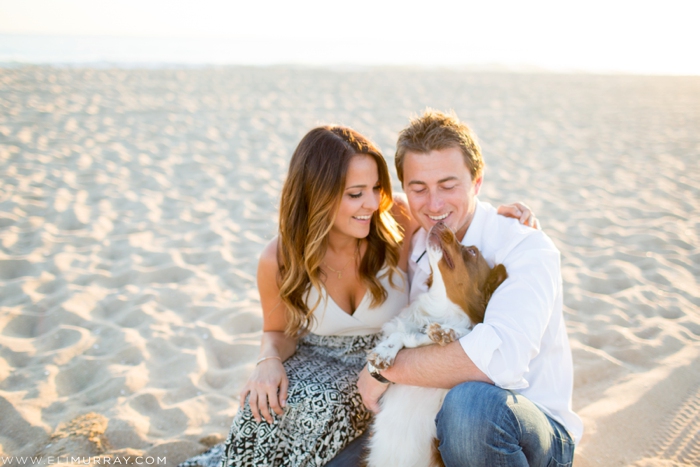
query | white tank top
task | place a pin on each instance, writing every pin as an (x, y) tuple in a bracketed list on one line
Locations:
[(331, 320)]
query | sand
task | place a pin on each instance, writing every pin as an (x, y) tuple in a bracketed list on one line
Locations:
[(134, 204)]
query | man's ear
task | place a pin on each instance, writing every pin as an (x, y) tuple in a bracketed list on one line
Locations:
[(477, 184), (496, 277)]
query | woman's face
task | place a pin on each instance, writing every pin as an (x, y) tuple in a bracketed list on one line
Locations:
[(360, 198)]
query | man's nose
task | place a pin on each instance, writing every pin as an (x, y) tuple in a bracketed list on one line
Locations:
[(435, 203)]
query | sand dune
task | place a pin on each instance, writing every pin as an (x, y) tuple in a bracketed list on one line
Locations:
[(134, 204)]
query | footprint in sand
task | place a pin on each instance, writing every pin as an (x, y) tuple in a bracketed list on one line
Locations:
[(679, 439)]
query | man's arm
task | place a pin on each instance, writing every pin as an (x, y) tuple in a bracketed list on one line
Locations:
[(430, 366), (515, 321), (434, 366)]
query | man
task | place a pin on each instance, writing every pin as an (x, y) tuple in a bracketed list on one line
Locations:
[(511, 378)]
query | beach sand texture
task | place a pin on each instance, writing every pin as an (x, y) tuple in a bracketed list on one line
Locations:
[(134, 204)]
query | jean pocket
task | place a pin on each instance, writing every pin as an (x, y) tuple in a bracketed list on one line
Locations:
[(562, 453)]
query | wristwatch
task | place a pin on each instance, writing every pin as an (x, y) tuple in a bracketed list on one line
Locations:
[(376, 374)]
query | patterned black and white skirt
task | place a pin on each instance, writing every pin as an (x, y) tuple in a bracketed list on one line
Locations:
[(324, 411)]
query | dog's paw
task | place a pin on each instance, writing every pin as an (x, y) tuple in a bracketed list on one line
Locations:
[(440, 335), (380, 361)]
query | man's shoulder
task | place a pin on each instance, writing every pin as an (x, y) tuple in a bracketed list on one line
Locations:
[(505, 235)]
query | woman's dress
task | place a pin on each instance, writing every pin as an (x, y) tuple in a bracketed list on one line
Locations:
[(324, 410)]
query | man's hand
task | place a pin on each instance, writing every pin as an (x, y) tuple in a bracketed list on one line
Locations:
[(370, 390)]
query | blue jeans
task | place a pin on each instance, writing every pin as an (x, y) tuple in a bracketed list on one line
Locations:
[(483, 425)]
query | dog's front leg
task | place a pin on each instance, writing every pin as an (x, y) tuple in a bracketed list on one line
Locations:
[(384, 354), (416, 339), (442, 335)]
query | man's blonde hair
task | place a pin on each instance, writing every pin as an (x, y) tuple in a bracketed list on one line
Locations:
[(435, 130)]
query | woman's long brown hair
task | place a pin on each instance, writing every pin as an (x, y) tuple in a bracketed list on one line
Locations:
[(309, 203)]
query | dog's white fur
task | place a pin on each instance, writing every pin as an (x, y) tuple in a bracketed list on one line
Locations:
[(404, 429)]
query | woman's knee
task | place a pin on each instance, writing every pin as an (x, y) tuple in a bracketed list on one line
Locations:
[(326, 396)]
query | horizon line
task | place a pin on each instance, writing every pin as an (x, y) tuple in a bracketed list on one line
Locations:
[(155, 52)]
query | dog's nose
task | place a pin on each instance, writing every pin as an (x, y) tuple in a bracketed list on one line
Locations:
[(439, 227)]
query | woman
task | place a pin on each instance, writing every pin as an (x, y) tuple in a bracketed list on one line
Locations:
[(327, 282)]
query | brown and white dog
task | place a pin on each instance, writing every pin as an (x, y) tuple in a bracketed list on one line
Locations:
[(460, 286)]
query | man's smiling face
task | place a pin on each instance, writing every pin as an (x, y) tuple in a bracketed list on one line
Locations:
[(439, 187)]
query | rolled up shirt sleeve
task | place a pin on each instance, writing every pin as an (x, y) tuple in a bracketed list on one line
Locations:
[(517, 316)]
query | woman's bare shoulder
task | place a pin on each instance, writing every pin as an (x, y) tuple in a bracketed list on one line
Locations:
[(268, 257)]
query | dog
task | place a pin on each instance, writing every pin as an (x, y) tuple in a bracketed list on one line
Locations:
[(460, 285)]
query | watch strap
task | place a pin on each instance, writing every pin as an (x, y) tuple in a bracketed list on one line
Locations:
[(376, 374)]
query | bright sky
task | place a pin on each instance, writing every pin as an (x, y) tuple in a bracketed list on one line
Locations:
[(594, 35)]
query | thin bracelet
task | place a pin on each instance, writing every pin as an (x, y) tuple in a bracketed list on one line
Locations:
[(266, 358)]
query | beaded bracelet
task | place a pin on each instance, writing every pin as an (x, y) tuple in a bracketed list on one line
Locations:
[(266, 358)]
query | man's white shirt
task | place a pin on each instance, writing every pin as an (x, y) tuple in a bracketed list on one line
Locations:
[(522, 344)]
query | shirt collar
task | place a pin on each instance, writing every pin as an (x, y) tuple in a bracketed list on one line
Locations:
[(420, 243)]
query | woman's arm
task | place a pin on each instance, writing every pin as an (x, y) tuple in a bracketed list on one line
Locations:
[(267, 386)]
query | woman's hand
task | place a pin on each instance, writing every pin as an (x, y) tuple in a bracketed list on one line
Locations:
[(402, 213), (267, 389), (521, 212)]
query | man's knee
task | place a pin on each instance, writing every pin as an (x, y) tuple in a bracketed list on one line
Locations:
[(471, 414), (474, 403)]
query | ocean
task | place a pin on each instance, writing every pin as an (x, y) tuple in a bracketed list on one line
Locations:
[(159, 52)]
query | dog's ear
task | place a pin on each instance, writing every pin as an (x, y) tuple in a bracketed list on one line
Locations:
[(497, 275)]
